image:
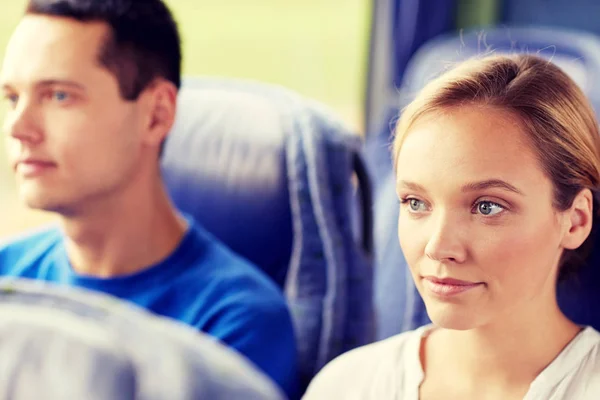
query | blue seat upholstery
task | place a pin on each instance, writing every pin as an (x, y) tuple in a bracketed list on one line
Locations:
[(578, 14), (574, 51), (270, 173), (579, 55), (63, 343)]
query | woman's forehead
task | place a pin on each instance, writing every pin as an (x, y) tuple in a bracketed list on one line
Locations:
[(468, 144)]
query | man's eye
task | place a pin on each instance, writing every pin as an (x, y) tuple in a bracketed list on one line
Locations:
[(11, 98), (60, 96)]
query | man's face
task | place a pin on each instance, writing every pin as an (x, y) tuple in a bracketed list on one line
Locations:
[(71, 139)]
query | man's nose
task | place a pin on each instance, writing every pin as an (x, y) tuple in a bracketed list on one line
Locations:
[(22, 123)]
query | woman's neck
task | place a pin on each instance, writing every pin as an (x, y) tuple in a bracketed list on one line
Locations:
[(508, 352)]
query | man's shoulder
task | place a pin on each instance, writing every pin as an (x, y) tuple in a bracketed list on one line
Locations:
[(28, 247), (216, 281), (221, 269), (236, 302)]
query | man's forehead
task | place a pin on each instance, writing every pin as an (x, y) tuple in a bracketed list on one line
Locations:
[(51, 29), (51, 45)]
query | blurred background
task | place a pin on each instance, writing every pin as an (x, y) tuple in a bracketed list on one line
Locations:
[(316, 47)]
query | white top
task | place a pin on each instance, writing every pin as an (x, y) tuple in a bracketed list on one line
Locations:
[(391, 370)]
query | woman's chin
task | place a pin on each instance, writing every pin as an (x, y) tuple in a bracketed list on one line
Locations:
[(451, 316)]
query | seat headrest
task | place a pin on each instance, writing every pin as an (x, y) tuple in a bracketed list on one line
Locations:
[(578, 14), (224, 164), (577, 53), (66, 343)]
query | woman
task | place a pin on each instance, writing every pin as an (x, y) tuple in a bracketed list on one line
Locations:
[(497, 165)]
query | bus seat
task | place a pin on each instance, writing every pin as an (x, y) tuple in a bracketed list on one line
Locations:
[(279, 180), (574, 14), (66, 343), (578, 53)]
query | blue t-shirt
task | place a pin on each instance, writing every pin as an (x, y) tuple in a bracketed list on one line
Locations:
[(202, 283)]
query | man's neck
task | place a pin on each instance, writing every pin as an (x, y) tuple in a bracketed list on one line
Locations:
[(124, 235)]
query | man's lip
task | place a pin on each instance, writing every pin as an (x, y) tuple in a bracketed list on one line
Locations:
[(34, 161), (29, 168), (450, 281), (39, 162)]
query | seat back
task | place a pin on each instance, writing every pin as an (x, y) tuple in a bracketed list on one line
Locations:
[(65, 343), (578, 54), (570, 14), (270, 173), (574, 51), (398, 28)]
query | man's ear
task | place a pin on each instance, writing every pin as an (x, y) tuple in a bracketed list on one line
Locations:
[(578, 220), (160, 105)]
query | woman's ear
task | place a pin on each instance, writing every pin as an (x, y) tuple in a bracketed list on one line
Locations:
[(579, 220)]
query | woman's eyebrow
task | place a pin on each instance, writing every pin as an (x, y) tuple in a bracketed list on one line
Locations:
[(469, 187), (491, 184), (411, 185)]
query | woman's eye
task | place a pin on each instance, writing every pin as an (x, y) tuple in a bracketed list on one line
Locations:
[(489, 208), (415, 205)]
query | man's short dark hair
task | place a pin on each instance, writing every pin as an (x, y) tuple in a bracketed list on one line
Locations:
[(143, 44)]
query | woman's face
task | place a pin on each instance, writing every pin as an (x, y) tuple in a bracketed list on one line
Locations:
[(477, 225)]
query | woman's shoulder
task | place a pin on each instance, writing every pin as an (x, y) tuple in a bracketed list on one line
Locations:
[(583, 354), (369, 371), (584, 377), (589, 365), (575, 374)]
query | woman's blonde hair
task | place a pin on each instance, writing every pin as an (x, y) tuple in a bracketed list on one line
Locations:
[(554, 113)]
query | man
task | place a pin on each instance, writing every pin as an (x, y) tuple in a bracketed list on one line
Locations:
[(92, 90)]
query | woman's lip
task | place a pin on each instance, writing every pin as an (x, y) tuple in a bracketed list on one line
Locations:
[(448, 287), (450, 281)]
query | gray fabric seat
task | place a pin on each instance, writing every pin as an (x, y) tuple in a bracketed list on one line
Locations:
[(63, 343)]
